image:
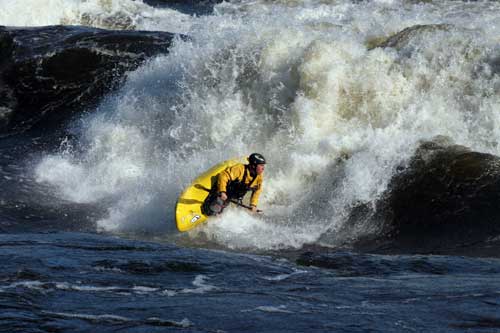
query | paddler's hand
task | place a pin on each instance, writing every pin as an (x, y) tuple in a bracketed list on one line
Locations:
[(223, 196), (254, 209)]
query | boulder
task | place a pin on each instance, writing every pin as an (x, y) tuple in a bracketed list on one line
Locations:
[(49, 74), (446, 201)]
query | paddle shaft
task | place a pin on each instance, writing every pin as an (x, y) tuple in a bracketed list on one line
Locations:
[(231, 200), (242, 205)]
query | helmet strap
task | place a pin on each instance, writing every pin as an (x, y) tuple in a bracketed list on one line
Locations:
[(252, 168)]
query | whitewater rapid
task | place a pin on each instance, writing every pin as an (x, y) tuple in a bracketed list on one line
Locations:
[(106, 14), (301, 82)]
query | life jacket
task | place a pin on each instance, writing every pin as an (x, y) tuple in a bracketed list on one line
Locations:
[(237, 189)]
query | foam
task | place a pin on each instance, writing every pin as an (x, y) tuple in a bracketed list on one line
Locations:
[(107, 14), (241, 230), (273, 309), (282, 277), (334, 118), (184, 323), (201, 285), (98, 318)]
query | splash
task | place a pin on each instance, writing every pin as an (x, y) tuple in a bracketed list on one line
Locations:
[(314, 87), (107, 14)]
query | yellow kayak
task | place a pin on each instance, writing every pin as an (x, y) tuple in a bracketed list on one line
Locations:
[(188, 212)]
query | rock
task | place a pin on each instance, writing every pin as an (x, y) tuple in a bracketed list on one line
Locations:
[(447, 198), (403, 38), (191, 7), (51, 73)]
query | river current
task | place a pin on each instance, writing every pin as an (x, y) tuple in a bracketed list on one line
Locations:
[(379, 120)]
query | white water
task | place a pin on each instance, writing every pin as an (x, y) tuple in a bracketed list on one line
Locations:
[(296, 81), (107, 14)]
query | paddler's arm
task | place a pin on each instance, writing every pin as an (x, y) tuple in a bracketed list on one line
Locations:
[(254, 199)]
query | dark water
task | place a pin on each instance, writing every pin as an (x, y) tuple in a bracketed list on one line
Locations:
[(432, 267), (74, 282)]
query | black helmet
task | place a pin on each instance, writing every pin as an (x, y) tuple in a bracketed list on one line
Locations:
[(256, 158)]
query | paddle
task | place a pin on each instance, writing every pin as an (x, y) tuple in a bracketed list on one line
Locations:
[(242, 205), (201, 187)]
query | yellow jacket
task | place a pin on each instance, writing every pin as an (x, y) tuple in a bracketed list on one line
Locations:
[(237, 173)]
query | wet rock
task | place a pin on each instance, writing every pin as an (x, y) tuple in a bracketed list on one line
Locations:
[(446, 200), (51, 73), (192, 7), (403, 38)]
